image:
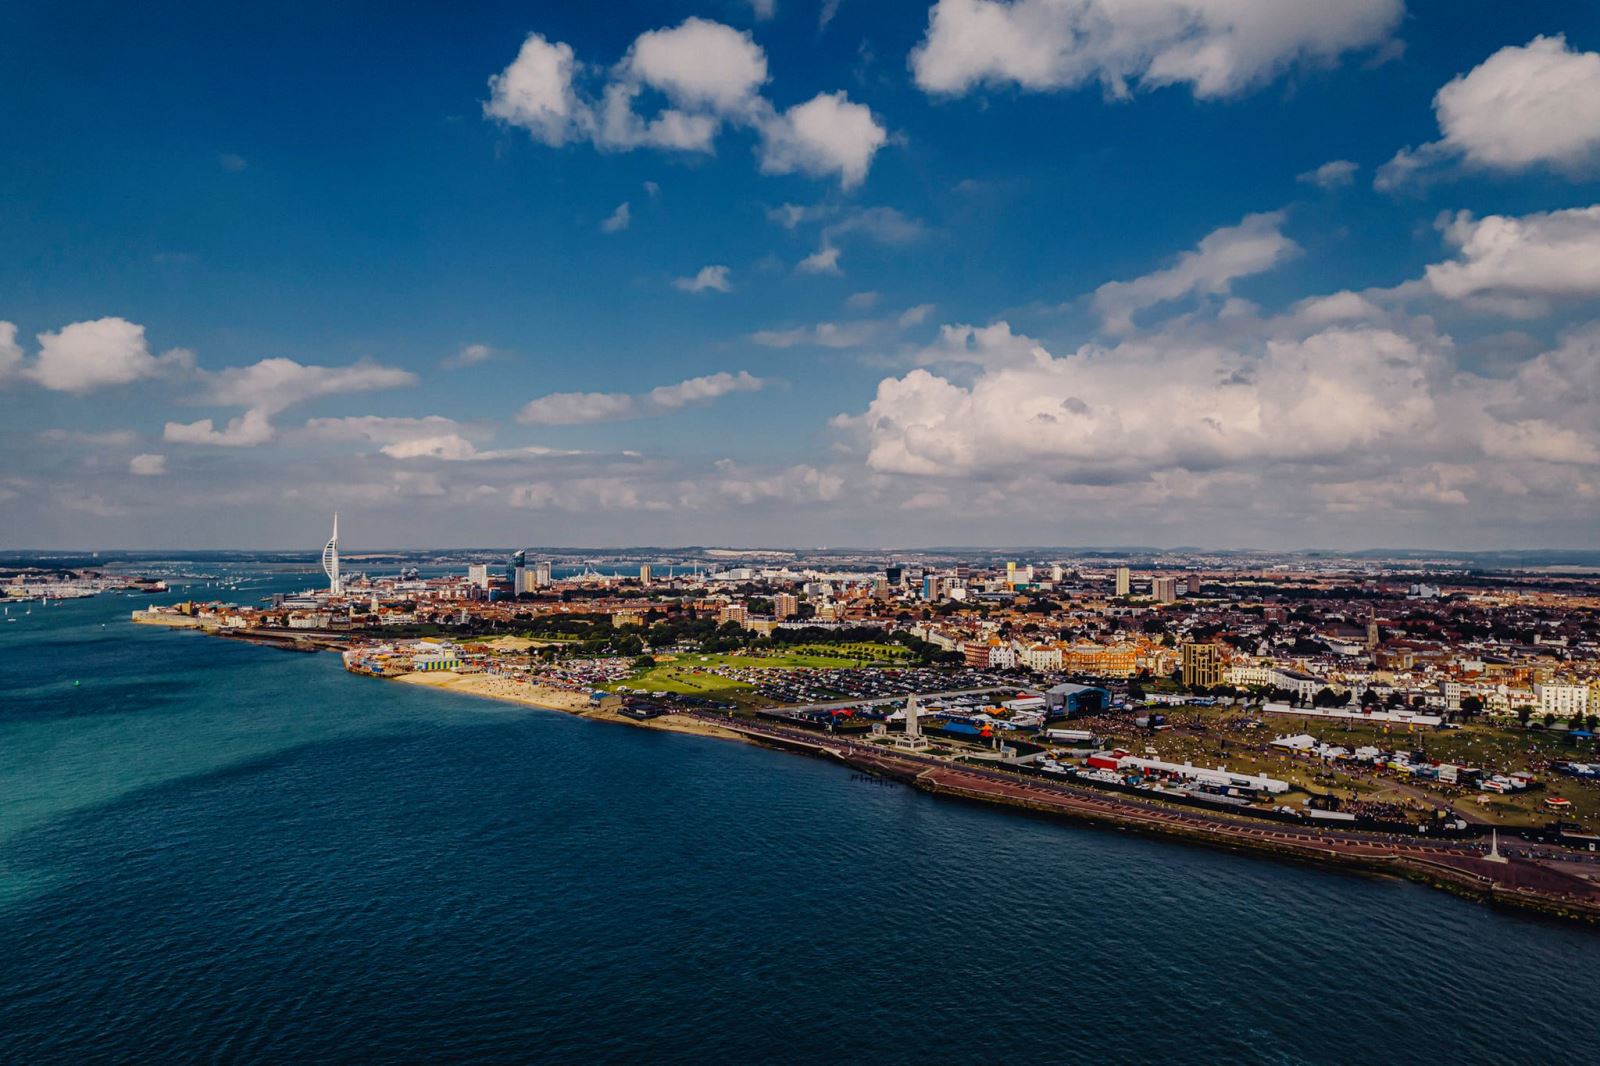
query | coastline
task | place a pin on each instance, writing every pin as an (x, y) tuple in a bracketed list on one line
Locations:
[(170, 621), (550, 698), (495, 687), (1464, 876)]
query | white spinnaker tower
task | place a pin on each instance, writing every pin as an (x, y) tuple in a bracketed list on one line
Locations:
[(330, 560)]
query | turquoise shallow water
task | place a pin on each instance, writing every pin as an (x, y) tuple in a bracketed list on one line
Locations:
[(213, 851)]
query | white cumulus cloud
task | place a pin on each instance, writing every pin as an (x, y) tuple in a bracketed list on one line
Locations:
[(451, 446), (700, 65), (1101, 415), (1217, 48), (826, 136), (91, 355), (536, 93), (1525, 106), (1531, 257), (993, 346), (1336, 412), (704, 75)]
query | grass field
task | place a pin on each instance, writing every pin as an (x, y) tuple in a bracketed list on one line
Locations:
[(685, 674), (681, 681), (862, 654), (1496, 748)]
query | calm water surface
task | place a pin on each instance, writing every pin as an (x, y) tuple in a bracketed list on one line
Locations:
[(210, 851)]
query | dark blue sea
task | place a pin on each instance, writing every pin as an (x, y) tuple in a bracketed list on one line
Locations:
[(211, 851)]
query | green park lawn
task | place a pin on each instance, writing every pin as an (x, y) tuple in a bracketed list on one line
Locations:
[(689, 674), (674, 677), (857, 654)]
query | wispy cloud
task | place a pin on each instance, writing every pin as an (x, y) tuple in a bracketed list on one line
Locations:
[(469, 355), (880, 225), (708, 279), (268, 387), (852, 333), (1222, 257), (618, 220), (578, 408), (147, 465), (1335, 174)]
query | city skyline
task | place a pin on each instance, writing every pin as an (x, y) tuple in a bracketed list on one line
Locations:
[(791, 274)]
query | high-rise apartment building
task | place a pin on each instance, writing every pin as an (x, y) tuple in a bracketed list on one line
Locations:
[(1203, 665), (1122, 581)]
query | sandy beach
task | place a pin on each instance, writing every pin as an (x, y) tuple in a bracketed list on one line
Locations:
[(546, 697), (671, 723), (495, 687)]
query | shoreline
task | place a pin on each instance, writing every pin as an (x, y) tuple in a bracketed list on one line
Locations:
[(550, 698), (1463, 875), (497, 687)]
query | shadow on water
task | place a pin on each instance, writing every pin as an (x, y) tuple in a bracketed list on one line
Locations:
[(63, 700), (62, 840)]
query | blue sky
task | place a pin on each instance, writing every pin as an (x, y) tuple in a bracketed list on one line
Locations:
[(1048, 271)]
